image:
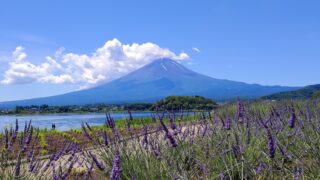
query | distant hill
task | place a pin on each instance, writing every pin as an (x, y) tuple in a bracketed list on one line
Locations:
[(304, 93), (159, 79), (185, 103)]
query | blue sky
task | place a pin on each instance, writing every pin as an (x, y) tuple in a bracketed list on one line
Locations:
[(269, 42)]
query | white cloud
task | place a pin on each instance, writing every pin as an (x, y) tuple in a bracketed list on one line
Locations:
[(196, 49), (111, 61), (21, 71)]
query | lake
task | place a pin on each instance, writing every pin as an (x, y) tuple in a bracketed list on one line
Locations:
[(65, 122)]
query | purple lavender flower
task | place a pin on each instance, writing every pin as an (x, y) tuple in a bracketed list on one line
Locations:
[(284, 152), (297, 173), (86, 133), (204, 130), (66, 174), (96, 161), (14, 136), (145, 136), (155, 151), (116, 168), (32, 166), (17, 168), (185, 133), (105, 138), (46, 167), (17, 125), (30, 136), (228, 123), (241, 113), (30, 155), (171, 139), (30, 159), (222, 176), (88, 126), (110, 122), (54, 174), (57, 155), (172, 124), (29, 126), (262, 166), (271, 145), (292, 119), (89, 170), (6, 138), (180, 128), (168, 134)]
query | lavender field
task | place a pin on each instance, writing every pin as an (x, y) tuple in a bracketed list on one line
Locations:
[(256, 140)]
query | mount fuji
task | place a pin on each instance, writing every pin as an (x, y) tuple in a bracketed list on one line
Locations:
[(161, 78)]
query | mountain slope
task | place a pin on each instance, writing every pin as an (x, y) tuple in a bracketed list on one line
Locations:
[(304, 93), (154, 81)]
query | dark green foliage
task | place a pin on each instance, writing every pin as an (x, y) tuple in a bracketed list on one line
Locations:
[(316, 95), (304, 93), (185, 102), (138, 106)]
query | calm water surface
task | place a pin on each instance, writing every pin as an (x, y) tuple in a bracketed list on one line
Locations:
[(64, 122)]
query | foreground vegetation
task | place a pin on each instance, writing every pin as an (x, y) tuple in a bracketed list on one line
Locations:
[(258, 140)]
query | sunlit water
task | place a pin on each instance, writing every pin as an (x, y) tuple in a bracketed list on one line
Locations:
[(64, 122)]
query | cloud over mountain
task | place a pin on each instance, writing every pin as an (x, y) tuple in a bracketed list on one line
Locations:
[(108, 62)]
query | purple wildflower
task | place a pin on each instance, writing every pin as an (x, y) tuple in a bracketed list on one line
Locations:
[(66, 174), (30, 155), (155, 151), (168, 134), (88, 126), (14, 136), (271, 145), (145, 136), (32, 166), (241, 113), (17, 125), (284, 152), (17, 168), (30, 136), (227, 125), (110, 122), (222, 176), (86, 133), (29, 126), (105, 138), (96, 161), (171, 139), (54, 174), (292, 119), (57, 155), (89, 170), (297, 173), (204, 130), (116, 168), (172, 124), (262, 166), (6, 138), (46, 167)]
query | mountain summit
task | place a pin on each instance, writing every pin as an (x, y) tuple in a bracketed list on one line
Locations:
[(161, 78)]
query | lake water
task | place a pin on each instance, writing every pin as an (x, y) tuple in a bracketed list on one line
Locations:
[(64, 122)]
